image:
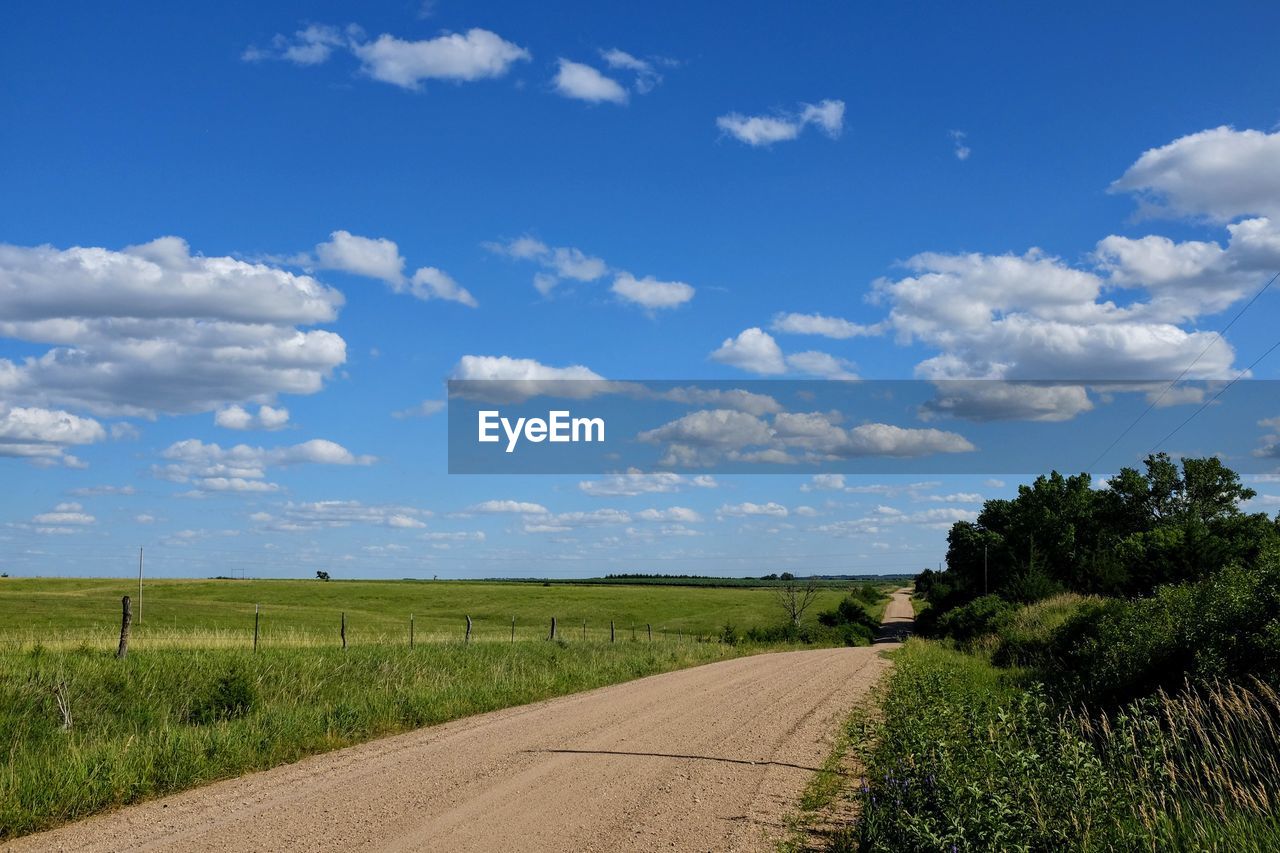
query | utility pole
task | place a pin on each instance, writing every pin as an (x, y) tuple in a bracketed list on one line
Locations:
[(139, 586), (984, 568)]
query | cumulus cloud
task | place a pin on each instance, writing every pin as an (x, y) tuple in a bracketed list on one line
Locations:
[(508, 506), (763, 131), (311, 45), (818, 324), (425, 409), (576, 80), (983, 401), (961, 147), (650, 293), (1218, 174), (753, 350), (237, 417), (316, 515), (1033, 317), (557, 263), (524, 369), (380, 258), (69, 513), (886, 518), (460, 57), (242, 468), (742, 510), (634, 482), (91, 491), (42, 436), (679, 514), (153, 328), (709, 436), (646, 73), (822, 364)]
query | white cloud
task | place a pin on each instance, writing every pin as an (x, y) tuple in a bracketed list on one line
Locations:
[(237, 417), (650, 293), (753, 350), (576, 80), (558, 263), (476, 55), (821, 364), (1219, 174), (431, 283), (956, 498), (825, 483), (64, 514), (375, 257), (242, 468), (679, 514), (93, 491), (316, 515), (1031, 316), (719, 398), (761, 131), (770, 509), (425, 409), (152, 328), (634, 483), (646, 75), (518, 369), (983, 400), (962, 150), (312, 45), (380, 258), (144, 518), (508, 506), (43, 435), (818, 324)]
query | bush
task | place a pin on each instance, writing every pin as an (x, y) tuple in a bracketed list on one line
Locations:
[(979, 617), (1026, 636), (1226, 626)]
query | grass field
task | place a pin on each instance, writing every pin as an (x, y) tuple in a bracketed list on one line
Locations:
[(67, 612)]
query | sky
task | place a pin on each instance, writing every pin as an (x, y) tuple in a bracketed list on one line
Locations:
[(243, 249)]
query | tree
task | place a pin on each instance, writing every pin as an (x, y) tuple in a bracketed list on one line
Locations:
[(322, 576), (795, 597)]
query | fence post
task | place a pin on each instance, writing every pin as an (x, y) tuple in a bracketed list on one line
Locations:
[(650, 629), (410, 630), (126, 618), (553, 627), (633, 633), (256, 609), (584, 630), (611, 630), (467, 638), (513, 629), (343, 630)]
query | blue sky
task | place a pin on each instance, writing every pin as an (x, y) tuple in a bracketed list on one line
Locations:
[(354, 203)]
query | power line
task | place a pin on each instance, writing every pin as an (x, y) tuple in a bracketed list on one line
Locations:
[(1217, 337), (1212, 399)]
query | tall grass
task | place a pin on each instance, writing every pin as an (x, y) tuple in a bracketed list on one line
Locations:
[(82, 731), (964, 758)]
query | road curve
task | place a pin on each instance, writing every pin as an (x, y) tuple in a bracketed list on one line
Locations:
[(708, 758)]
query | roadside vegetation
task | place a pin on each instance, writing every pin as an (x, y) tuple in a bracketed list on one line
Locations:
[(1101, 676)]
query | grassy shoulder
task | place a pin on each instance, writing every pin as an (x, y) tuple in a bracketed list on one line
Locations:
[(166, 719), (969, 756)]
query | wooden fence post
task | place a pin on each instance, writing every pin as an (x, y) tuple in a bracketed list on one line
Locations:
[(256, 609), (513, 629), (126, 618), (467, 638), (611, 630), (650, 629), (343, 630), (410, 630), (553, 627), (584, 630)]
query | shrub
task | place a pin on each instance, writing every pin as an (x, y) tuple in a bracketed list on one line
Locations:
[(970, 621), (1027, 634)]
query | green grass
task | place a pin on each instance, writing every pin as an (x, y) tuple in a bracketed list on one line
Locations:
[(163, 720), (71, 611), (968, 757)]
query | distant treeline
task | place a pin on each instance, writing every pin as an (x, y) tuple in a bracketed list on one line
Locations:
[(825, 581)]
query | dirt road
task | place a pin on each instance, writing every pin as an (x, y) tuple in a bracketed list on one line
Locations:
[(710, 758)]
